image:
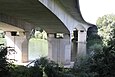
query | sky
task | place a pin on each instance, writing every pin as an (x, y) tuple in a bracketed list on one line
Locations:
[(92, 9)]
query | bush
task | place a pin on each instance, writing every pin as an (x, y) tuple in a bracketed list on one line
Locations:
[(35, 72), (94, 43), (49, 67), (4, 65), (20, 71), (99, 64), (41, 65), (10, 70), (23, 71), (81, 67), (103, 62), (52, 69)]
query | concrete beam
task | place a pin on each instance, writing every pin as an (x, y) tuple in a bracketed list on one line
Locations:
[(56, 7), (15, 22)]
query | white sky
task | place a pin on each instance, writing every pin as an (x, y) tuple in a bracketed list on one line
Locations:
[(92, 9)]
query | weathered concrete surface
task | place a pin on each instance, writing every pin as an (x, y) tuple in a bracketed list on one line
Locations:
[(54, 16), (16, 42), (59, 49), (32, 11), (70, 15)]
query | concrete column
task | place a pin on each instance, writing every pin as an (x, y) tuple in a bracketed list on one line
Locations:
[(74, 45), (15, 41), (25, 47), (59, 49), (73, 50), (81, 51)]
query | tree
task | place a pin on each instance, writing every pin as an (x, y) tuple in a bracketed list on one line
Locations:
[(100, 63), (94, 41), (106, 28)]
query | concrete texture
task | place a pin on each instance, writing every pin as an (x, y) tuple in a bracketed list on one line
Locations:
[(32, 11), (54, 16)]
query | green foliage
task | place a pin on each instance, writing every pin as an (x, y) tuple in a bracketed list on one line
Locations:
[(38, 33), (23, 71), (4, 65), (42, 62), (103, 62), (19, 71), (35, 72), (100, 60), (82, 67), (41, 65), (95, 47), (10, 70), (98, 64), (94, 42), (52, 69), (2, 34), (106, 28)]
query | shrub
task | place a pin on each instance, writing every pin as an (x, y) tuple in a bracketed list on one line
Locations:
[(35, 72), (81, 67), (23, 71), (4, 65), (103, 62), (94, 43), (19, 71), (52, 69), (49, 67), (99, 64)]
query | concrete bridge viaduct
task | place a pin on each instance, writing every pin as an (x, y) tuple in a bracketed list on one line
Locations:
[(54, 16)]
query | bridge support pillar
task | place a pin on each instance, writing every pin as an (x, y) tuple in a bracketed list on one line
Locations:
[(25, 47), (14, 40), (19, 42), (59, 48), (81, 49), (25, 50)]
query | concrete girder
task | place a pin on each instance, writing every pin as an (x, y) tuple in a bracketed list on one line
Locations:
[(18, 25), (61, 11), (32, 11), (9, 28), (73, 8)]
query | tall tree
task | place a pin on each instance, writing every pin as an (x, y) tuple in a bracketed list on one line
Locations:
[(106, 28)]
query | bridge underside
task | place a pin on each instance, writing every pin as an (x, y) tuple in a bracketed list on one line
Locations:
[(56, 16), (32, 11)]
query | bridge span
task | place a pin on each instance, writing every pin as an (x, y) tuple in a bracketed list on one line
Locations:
[(53, 16)]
